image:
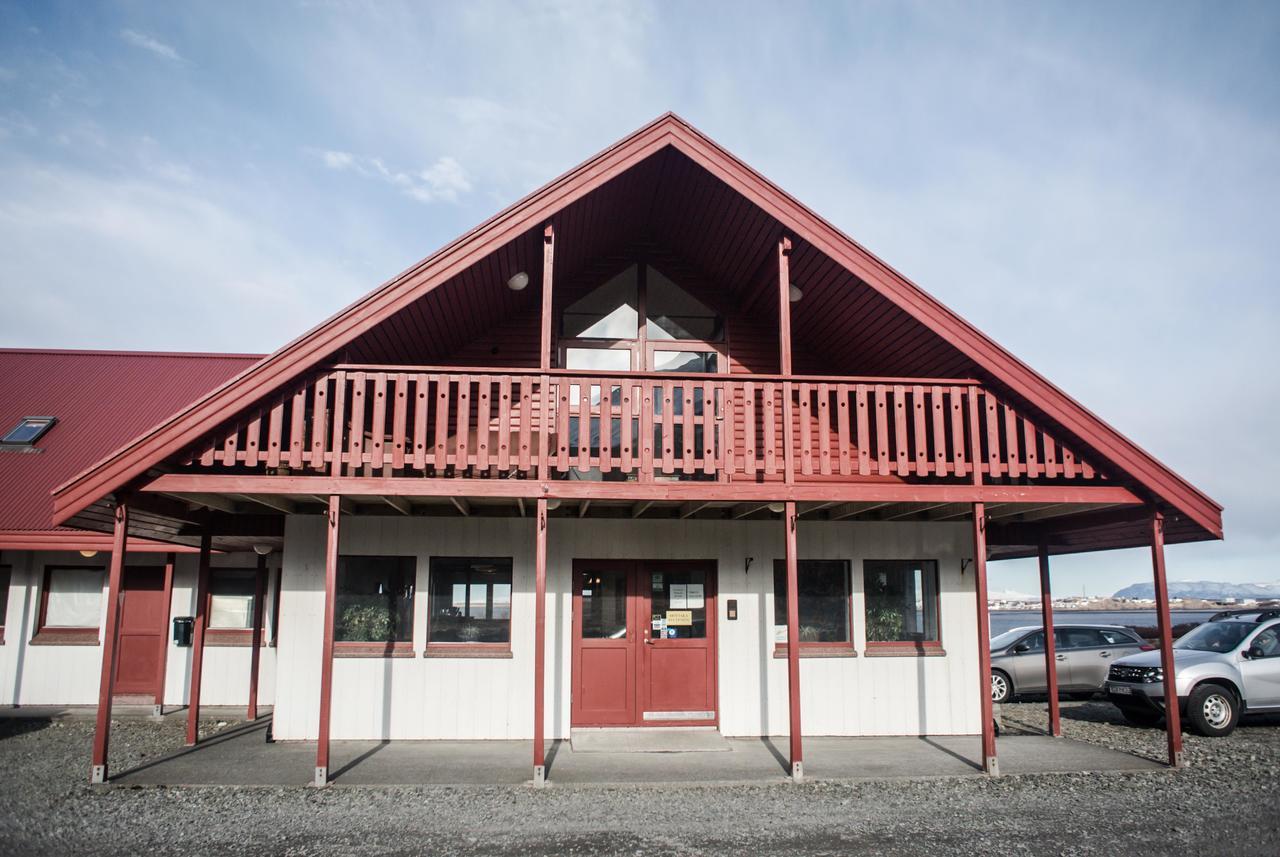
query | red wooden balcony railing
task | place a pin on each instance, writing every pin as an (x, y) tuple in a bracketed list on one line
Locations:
[(369, 421)]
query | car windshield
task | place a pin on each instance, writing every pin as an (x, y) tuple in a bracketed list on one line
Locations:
[(1008, 638), (1215, 636)]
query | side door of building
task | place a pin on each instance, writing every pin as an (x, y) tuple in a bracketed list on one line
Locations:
[(1261, 672)]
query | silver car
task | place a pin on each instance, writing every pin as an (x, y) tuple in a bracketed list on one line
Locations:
[(1227, 667), (1083, 655)]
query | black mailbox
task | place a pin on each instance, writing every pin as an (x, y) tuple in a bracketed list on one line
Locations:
[(183, 627)]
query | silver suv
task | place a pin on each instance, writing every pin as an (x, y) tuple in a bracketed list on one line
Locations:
[(1224, 668), (1083, 654)]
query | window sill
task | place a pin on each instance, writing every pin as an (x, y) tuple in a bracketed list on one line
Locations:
[(780, 651), (467, 650), (373, 650), (215, 637), (66, 637), (906, 650)]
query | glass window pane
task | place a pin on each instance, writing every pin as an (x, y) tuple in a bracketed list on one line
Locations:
[(678, 591), (375, 599), (470, 600), (609, 312), (902, 600), (27, 431), (673, 313), (604, 605), (824, 600), (689, 362), (598, 360), (231, 593), (75, 598)]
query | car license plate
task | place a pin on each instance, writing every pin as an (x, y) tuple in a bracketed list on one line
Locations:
[(1121, 689)]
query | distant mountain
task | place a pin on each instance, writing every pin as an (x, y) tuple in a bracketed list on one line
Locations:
[(1209, 590)]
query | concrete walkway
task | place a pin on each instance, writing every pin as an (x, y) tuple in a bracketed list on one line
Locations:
[(242, 756)]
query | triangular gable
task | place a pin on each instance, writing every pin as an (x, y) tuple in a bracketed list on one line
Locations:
[(318, 344)]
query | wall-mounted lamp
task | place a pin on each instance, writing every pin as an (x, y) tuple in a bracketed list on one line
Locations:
[(262, 550), (553, 503), (518, 281), (88, 554), (794, 293)]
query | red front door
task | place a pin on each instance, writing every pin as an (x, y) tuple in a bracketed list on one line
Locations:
[(644, 651), (143, 619)]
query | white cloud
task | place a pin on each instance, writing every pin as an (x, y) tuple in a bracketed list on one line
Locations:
[(150, 43), (444, 180)]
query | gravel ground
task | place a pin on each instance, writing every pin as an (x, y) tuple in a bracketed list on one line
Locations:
[(1225, 803)]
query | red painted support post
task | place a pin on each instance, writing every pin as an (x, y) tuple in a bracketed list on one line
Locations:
[(539, 647), (326, 655), (163, 658), (784, 306), (1172, 716), (990, 763), (548, 264), (110, 638), (793, 642), (197, 642), (1050, 650), (259, 595)]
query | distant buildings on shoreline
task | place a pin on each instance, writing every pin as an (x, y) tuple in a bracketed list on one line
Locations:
[(997, 601)]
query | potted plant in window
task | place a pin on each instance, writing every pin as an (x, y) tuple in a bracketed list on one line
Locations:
[(884, 624)]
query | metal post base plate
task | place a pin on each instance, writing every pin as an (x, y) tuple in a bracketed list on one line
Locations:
[(98, 775), (1176, 761), (993, 766), (797, 771), (322, 777), (539, 776)]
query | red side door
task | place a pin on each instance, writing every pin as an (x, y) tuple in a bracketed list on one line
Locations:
[(143, 619)]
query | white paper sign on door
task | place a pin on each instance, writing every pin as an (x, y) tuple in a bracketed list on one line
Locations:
[(694, 597), (678, 597)]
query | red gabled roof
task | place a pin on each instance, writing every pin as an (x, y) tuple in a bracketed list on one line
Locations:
[(102, 400), (1124, 456)]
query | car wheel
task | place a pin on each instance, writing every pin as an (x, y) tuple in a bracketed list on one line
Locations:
[(1213, 710), (1141, 716), (1001, 687)]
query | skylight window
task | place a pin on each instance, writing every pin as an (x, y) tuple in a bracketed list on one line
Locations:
[(28, 430)]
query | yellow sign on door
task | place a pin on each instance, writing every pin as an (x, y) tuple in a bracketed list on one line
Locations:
[(679, 617)]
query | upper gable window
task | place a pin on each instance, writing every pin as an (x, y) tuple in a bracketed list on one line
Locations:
[(28, 430), (673, 313), (609, 312)]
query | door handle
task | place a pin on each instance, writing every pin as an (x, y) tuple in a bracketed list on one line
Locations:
[(1104, 654), (1062, 657)]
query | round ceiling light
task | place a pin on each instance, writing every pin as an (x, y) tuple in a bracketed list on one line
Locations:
[(794, 293), (777, 506), (518, 281)]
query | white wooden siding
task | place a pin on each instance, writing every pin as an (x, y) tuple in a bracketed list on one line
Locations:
[(69, 675), (480, 698)]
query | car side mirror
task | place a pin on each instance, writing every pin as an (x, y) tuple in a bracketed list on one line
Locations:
[(1020, 648), (1255, 652)]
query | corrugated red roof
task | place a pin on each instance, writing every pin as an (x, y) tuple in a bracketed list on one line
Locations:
[(102, 399)]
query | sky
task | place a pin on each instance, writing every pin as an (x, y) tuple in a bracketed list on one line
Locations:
[(1094, 185)]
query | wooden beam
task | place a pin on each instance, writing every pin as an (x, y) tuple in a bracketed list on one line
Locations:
[(345, 504), (583, 507), (913, 511), (400, 504), (990, 763), (271, 501), (540, 645), (331, 553), (1050, 655), (210, 501), (693, 507), (197, 640), (110, 647), (816, 507), (640, 508), (743, 492), (793, 639), (259, 596), (1172, 724), (548, 264), (520, 506), (462, 505), (848, 510), (743, 510)]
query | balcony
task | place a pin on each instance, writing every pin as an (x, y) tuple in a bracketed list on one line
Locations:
[(371, 421)]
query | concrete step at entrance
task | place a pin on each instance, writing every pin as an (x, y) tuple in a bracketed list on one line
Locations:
[(640, 740)]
